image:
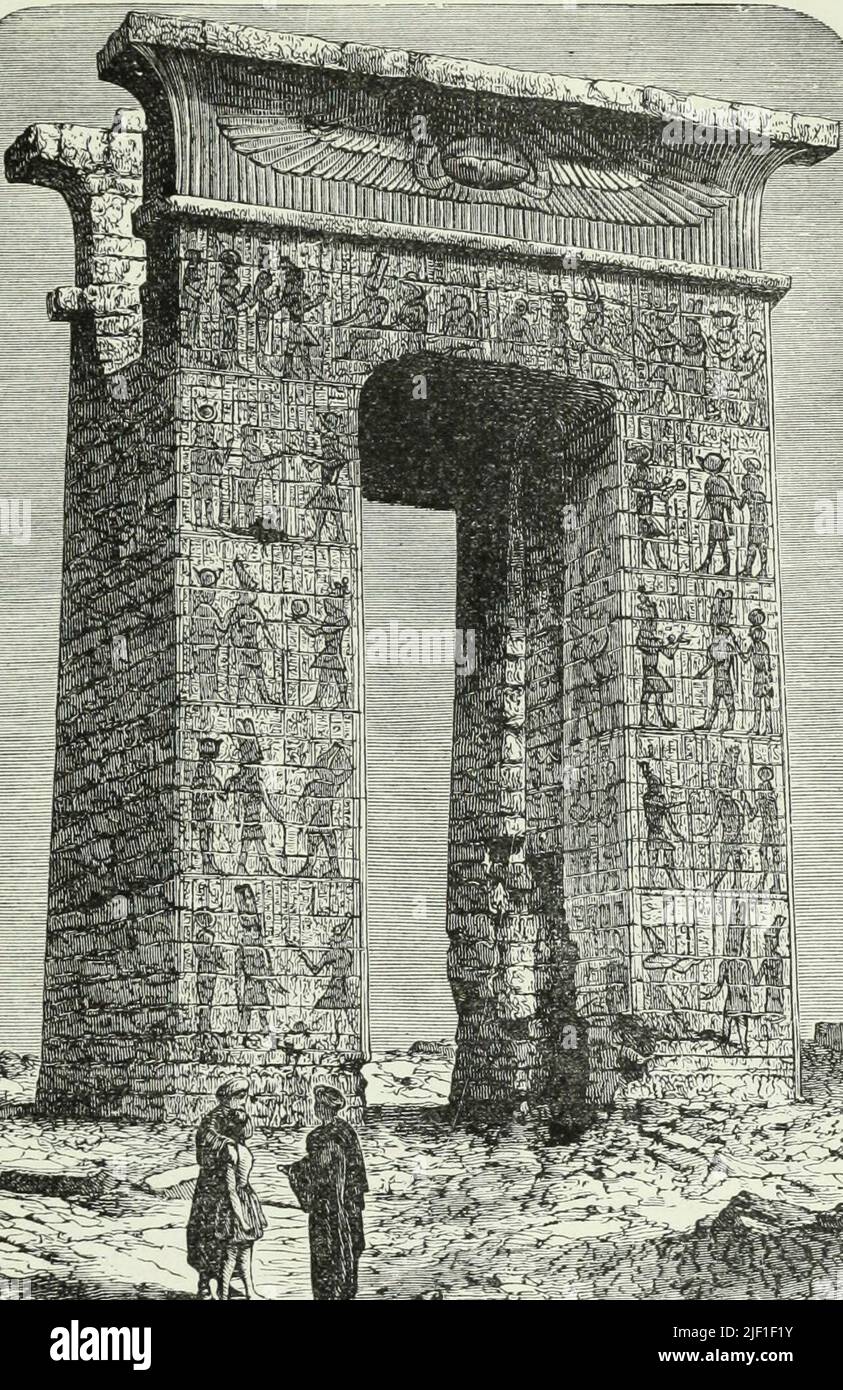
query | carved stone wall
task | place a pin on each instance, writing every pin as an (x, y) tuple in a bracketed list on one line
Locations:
[(618, 913)]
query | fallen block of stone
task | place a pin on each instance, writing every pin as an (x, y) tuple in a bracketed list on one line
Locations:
[(440, 1047), (748, 1212), (34, 1177), (173, 1182), (14, 1065), (829, 1035)]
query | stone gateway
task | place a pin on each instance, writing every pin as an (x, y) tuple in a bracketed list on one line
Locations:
[(317, 272)]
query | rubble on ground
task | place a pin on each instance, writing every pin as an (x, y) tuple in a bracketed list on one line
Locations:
[(702, 1202)]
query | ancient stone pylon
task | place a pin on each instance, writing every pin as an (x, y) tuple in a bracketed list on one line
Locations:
[(324, 270)]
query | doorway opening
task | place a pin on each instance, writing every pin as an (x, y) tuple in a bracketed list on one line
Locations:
[(409, 584), (483, 453)]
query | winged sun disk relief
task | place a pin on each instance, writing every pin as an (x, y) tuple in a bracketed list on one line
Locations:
[(476, 168)]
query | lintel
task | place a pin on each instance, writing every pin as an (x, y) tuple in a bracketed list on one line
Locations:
[(763, 283)]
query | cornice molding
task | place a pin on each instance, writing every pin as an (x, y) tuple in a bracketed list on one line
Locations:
[(813, 137)]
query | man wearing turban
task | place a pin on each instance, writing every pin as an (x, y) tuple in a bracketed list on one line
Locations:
[(330, 1185)]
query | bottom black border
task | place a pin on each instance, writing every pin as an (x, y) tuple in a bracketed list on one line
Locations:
[(248, 1339)]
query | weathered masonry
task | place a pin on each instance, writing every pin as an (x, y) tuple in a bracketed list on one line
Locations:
[(315, 272)]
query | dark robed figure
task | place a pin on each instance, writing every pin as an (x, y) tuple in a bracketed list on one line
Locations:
[(330, 1185)]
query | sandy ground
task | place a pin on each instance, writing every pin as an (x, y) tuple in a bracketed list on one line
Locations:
[(706, 1202)]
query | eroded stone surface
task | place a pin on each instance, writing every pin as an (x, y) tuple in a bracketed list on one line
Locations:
[(100, 175)]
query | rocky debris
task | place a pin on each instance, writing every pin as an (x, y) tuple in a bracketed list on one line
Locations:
[(441, 1047), (15, 1066), (38, 1178), (421, 1076), (18, 1077), (703, 1202), (748, 1212), (829, 1035), (173, 1182)]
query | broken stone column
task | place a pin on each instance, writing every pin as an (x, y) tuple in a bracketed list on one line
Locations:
[(310, 221)]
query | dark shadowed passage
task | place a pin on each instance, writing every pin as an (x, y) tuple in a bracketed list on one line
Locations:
[(499, 448)]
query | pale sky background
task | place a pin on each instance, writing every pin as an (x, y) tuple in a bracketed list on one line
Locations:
[(764, 55)]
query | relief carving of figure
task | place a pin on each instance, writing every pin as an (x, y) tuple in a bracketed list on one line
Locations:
[(251, 799), (209, 962), (728, 816), (331, 770), (736, 979), (647, 486), (206, 794), (210, 460), (338, 998), (234, 299), (358, 336), (661, 827), (194, 288), (771, 971), (206, 632), (653, 649), (257, 460), (459, 319), (245, 628), (718, 500), (254, 976), (328, 453), (723, 655), (329, 631), (760, 659), (754, 499), (765, 809)]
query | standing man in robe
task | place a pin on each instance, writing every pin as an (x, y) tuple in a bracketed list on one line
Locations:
[(233, 301), (194, 288), (760, 659), (328, 665), (330, 1185), (327, 452), (251, 800), (332, 769), (247, 630), (459, 319), (256, 461), (206, 633), (646, 486), (729, 813), (255, 980), (766, 810)]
